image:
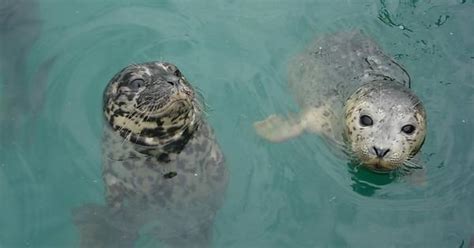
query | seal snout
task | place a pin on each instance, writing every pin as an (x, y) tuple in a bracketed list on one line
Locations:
[(150, 104), (380, 152)]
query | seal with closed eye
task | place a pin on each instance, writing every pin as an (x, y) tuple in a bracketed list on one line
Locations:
[(163, 170)]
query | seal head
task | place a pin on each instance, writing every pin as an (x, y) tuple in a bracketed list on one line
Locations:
[(152, 105), (385, 124)]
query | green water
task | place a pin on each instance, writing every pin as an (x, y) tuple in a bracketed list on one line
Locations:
[(294, 194)]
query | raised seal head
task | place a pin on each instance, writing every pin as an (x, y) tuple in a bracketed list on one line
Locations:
[(385, 125), (151, 104)]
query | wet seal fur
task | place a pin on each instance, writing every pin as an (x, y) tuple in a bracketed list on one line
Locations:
[(358, 98), (163, 170)]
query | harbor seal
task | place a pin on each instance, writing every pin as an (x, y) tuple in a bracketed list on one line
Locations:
[(163, 170), (355, 96)]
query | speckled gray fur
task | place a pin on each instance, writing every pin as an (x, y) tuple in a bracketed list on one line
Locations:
[(334, 66), (131, 176), (346, 75), (163, 170)]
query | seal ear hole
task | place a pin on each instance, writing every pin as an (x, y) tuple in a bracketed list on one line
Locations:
[(408, 129), (366, 121), (137, 83)]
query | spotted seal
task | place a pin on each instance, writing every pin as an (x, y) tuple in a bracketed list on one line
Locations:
[(163, 170), (356, 96)]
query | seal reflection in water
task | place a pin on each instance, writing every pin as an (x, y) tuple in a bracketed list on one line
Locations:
[(163, 170), (357, 97)]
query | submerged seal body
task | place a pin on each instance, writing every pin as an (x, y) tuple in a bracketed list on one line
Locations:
[(20, 26), (162, 166), (355, 95)]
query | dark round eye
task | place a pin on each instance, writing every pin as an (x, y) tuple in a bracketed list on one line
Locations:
[(408, 129), (365, 121), (137, 83)]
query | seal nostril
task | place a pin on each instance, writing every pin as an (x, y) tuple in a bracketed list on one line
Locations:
[(376, 151), (380, 152)]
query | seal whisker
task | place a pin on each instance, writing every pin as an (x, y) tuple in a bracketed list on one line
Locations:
[(353, 98), (199, 99), (127, 138), (150, 109), (128, 120), (401, 171), (412, 165), (416, 103), (169, 144)]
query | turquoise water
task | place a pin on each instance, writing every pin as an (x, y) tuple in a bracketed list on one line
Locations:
[(294, 194)]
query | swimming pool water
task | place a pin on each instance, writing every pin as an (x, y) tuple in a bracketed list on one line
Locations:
[(293, 194)]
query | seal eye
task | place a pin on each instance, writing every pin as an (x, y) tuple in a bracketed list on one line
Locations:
[(408, 129), (137, 83), (366, 121)]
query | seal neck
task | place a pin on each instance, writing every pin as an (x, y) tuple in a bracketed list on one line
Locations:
[(168, 148), (390, 71)]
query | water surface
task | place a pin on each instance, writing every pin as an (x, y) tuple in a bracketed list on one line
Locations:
[(294, 194)]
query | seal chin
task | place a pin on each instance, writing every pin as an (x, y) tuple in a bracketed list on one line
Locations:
[(380, 165)]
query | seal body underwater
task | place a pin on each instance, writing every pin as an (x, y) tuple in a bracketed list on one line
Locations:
[(163, 170), (19, 29), (356, 96), (22, 93)]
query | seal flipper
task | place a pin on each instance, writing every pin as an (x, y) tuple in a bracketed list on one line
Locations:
[(276, 128), (101, 227)]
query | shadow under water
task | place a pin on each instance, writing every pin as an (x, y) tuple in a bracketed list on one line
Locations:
[(22, 93), (366, 182)]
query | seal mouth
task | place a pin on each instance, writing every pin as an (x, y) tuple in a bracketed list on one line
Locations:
[(379, 169), (379, 165), (168, 108), (182, 99), (152, 104), (170, 123)]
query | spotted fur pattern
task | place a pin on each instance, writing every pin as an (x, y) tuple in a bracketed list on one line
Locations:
[(391, 106), (195, 174), (341, 77), (160, 157)]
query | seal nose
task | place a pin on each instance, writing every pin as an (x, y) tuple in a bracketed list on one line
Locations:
[(172, 80), (380, 152)]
